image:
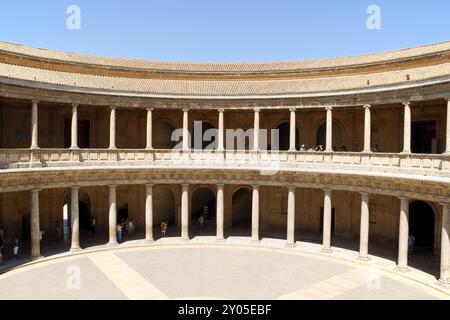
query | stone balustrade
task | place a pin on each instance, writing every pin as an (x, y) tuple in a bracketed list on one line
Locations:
[(415, 164)]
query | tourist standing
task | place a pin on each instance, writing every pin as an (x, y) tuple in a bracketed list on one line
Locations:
[(15, 246), (93, 225), (163, 227), (119, 233), (201, 220)]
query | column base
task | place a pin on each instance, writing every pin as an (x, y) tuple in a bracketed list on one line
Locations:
[(185, 239), (363, 258), (326, 250), (149, 241), (221, 240), (75, 249), (443, 283), (112, 244), (402, 269), (37, 258), (255, 242), (290, 245)]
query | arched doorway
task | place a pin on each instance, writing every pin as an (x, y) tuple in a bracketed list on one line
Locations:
[(338, 137), (164, 206), (162, 135), (421, 224), (284, 132), (199, 139), (203, 202), (241, 211)]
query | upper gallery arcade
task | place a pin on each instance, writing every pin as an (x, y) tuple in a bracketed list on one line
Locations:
[(383, 120)]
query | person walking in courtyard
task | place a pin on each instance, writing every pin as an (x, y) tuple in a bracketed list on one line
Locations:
[(201, 220), (93, 225), (15, 247), (130, 227), (411, 243), (163, 228), (119, 233)]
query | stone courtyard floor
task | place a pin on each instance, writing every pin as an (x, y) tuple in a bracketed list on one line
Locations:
[(204, 269)]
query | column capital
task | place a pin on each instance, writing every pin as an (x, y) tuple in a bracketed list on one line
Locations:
[(404, 199), (447, 98), (328, 108), (407, 103), (291, 188), (185, 185), (367, 106), (221, 110), (35, 101), (185, 109), (150, 109), (292, 109), (149, 185), (76, 187), (255, 186), (220, 185), (257, 109), (112, 186), (364, 194), (327, 191), (75, 104), (35, 190), (445, 205), (113, 107)]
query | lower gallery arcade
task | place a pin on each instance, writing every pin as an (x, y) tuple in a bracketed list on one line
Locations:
[(358, 221)]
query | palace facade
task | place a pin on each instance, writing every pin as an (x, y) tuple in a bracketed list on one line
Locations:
[(85, 137)]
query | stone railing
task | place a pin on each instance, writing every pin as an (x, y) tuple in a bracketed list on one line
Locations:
[(419, 164)]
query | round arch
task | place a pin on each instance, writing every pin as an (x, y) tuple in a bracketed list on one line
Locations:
[(201, 145), (201, 196), (422, 219), (284, 129), (241, 206), (162, 134), (164, 205), (338, 135)]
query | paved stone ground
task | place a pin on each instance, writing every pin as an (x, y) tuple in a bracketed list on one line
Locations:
[(206, 271)]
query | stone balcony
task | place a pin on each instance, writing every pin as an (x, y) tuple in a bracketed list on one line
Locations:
[(267, 162)]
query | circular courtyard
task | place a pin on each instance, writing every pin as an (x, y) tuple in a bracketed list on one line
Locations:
[(206, 272)]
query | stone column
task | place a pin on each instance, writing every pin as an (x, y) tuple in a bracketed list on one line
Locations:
[(256, 130), (220, 144), (220, 212), (291, 217), (186, 129), (34, 125), (75, 219), (112, 215), (112, 128), (35, 227), (447, 134), (407, 128), (329, 135), (185, 212), (327, 221), (445, 246), (367, 128), (403, 235), (74, 134), (149, 213), (255, 214), (292, 131), (364, 231), (149, 145)]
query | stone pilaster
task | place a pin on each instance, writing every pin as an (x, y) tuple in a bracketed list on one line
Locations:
[(445, 246), (185, 212), (35, 226), (220, 212), (329, 131), (291, 217), (112, 128), (112, 215), (407, 128), (402, 264), (327, 221), (255, 214), (364, 228), (74, 132), (34, 125), (367, 128), (75, 219), (149, 213), (292, 130)]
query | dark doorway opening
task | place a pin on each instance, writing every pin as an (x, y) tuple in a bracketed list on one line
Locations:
[(338, 137), (423, 137), (122, 212), (26, 229), (200, 142), (333, 217), (83, 133), (241, 211), (204, 203), (85, 216), (284, 131), (421, 224)]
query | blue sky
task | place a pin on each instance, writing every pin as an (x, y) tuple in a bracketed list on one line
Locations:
[(225, 30)]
